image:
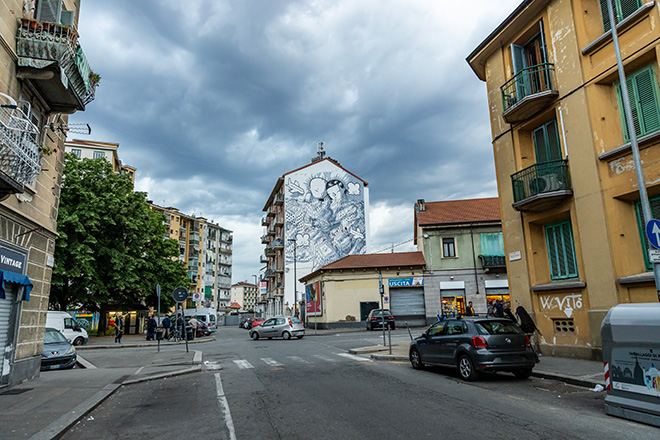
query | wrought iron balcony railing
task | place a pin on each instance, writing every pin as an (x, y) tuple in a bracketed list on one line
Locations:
[(528, 81), (492, 261), (540, 178)]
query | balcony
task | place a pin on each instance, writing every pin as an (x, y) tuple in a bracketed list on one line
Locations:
[(279, 200), (265, 220), (271, 229), (20, 157), (263, 259), (271, 212), (269, 251), (279, 221), (492, 262), (278, 269), (265, 239), (269, 273), (278, 243), (530, 91), (51, 58), (541, 186)]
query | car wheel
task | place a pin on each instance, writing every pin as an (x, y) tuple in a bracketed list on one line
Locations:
[(286, 335), (522, 373), (466, 369), (416, 359), (255, 335), (78, 341)]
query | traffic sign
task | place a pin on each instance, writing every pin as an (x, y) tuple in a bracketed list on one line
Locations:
[(180, 294), (197, 297), (653, 232)]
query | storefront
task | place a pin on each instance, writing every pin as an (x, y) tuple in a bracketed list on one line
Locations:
[(407, 300), (498, 289), (452, 298)]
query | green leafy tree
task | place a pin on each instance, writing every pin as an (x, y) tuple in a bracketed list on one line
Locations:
[(111, 249)]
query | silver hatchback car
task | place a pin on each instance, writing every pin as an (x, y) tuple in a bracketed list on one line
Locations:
[(284, 327)]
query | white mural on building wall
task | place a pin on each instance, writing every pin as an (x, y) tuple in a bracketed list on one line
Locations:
[(567, 303), (325, 213)]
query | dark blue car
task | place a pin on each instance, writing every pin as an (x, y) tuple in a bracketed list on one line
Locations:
[(58, 353)]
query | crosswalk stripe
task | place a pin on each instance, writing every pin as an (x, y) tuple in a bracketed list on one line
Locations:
[(242, 364), (272, 362), (325, 358), (299, 359), (355, 358)]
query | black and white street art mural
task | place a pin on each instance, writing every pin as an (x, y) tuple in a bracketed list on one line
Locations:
[(325, 212)]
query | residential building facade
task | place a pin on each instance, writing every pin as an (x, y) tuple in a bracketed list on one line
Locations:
[(463, 249), (206, 248), (246, 295), (100, 150), (566, 181), (314, 215), (341, 294), (44, 77)]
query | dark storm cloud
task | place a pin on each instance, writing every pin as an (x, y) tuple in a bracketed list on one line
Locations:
[(213, 100)]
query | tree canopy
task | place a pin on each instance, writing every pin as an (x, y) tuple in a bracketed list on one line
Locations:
[(112, 248)]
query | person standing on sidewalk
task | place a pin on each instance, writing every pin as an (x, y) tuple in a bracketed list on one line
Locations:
[(469, 310), (193, 325), (151, 328), (119, 328), (167, 323)]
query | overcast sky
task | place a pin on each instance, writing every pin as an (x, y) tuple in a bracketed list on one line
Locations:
[(212, 101)]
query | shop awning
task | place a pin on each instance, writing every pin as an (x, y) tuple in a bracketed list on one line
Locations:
[(16, 278)]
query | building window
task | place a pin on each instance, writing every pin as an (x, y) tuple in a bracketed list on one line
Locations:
[(448, 248), (561, 251), (99, 155), (622, 9), (655, 213), (643, 94), (77, 152), (546, 142)]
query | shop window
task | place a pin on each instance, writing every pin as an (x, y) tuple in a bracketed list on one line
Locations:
[(448, 247), (655, 213), (561, 251), (622, 9), (564, 326), (643, 94)]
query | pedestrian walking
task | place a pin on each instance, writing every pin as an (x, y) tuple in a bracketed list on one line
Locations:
[(181, 324), (491, 307), (151, 328), (119, 328), (167, 323), (498, 309), (193, 324), (469, 310)]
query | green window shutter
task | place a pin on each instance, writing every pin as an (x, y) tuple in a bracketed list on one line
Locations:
[(561, 251), (554, 148), (643, 95), (622, 9), (546, 142), (540, 145), (605, 15)]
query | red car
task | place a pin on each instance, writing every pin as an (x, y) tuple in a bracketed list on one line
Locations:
[(257, 322)]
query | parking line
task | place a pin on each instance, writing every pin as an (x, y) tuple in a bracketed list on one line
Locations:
[(299, 359), (272, 362), (242, 364), (224, 405)]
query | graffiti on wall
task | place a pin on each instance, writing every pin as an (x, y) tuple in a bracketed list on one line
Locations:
[(325, 214), (566, 303)]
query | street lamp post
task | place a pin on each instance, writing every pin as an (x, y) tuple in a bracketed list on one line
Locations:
[(295, 280), (256, 297)]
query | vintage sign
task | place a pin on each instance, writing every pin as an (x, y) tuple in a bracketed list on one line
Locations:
[(12, 261)]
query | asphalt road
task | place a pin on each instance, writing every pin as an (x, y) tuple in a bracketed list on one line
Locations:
[(312, 388)]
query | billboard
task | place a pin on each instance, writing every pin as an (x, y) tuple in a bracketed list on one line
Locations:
[(313, 299)]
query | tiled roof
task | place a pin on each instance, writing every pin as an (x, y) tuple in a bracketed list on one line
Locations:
[(243, 284), (460, 211), (372, 261), (235, 305)]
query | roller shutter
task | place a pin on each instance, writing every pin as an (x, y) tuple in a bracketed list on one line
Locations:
[(407, 305)]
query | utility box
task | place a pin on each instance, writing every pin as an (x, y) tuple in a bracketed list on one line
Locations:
[(631, 353)]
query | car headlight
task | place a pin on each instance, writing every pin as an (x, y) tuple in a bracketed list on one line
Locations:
[(71, 350)]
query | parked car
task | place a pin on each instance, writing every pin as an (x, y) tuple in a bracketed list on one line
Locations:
[(473, 345), (68, 326), (377, 318), (284, 327), (58, 353), (202, 330), (257, 322)]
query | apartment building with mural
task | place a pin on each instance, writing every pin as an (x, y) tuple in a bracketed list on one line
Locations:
[(463, 248), (314, 215), (570, 204), (206, 248), (44, 77)]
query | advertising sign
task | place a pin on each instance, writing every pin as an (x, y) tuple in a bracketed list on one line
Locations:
[(313, 293), (263, 287), (635, 370), (12, 261), (406, 282)]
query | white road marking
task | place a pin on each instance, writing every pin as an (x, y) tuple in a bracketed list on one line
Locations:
[(299, 359), (325, 358), (224, 405), (272, 362), (139, 370), (355, 358), (242, 364)]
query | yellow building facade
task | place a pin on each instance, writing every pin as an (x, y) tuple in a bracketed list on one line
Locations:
[(573, 232)]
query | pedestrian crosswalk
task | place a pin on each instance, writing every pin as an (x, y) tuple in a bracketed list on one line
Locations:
[(244, 364)]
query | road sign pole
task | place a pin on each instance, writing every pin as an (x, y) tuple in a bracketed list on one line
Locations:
[(159, 321), (632, 135)]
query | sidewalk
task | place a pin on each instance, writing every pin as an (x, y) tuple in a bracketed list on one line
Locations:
[(573, 371)]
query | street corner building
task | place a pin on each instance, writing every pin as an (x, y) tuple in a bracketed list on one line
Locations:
[(314, 215), (572, 223), (341, 294), (44, 77)]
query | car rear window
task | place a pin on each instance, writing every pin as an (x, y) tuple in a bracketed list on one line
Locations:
[(503, 327), (296, 320), (381, 312)]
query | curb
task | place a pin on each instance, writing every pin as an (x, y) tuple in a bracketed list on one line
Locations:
[(143, 345), (570, 380)]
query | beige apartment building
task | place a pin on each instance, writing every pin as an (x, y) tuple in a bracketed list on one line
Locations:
[(573, 232), (44, 77), (100, 150)]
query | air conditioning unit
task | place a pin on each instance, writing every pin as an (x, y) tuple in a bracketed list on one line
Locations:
[(545, 183)]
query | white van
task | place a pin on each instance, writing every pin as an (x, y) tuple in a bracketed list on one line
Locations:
[(207, 315), (68, 326)]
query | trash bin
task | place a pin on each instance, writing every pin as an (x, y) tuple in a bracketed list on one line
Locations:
[(631, 355), (189, 333), (159, 334)]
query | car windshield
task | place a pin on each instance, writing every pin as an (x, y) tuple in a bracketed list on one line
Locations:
[(54, 337), (503, 327)]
